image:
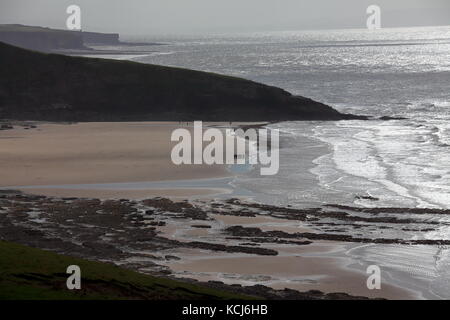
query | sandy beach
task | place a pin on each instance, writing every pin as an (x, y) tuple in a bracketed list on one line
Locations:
[(85, 153)]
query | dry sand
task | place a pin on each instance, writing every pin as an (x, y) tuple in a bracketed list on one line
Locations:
[(87, 153)]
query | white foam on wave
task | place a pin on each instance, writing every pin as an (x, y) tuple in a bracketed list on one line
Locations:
[(402, 157)]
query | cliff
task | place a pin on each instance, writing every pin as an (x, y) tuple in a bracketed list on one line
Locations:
[(39, 86), (100, 38), (46, 39), (40, 39)]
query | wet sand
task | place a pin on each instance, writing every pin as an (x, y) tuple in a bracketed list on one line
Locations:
[(295, 272), (318, 266)]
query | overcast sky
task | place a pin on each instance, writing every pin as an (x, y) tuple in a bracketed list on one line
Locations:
[(186, 16)]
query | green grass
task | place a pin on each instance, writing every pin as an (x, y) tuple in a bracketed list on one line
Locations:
[(33, 274)]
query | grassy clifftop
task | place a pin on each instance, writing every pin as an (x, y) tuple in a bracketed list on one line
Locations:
[(38, 86), (27, 274)]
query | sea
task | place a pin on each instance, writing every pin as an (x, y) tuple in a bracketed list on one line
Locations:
[(405, 163)]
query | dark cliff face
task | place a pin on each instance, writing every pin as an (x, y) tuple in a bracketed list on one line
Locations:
[(43, 40), (100, 38), (47, 40), (37, 86)]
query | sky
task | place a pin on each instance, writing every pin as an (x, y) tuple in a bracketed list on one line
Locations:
[(141, 17)]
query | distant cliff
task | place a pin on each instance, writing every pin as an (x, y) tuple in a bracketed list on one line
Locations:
[(38, 86), (46, 39), (100, 38), (40, 39)]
